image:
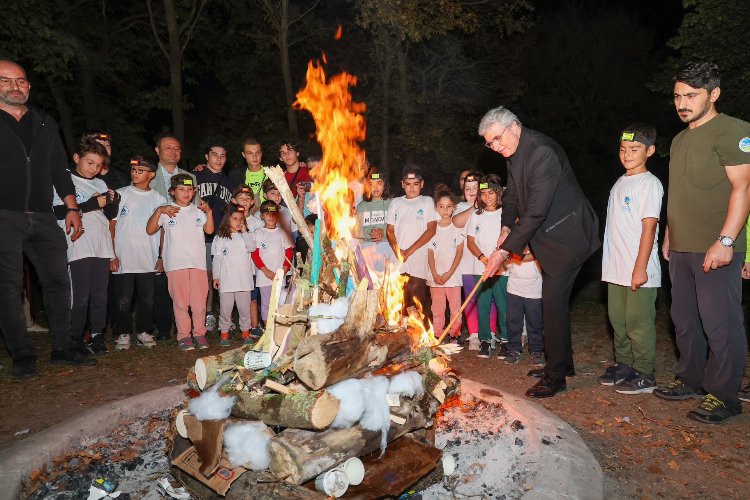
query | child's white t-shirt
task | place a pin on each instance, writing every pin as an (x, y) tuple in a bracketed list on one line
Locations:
[(184, 244), (136, 250), (467, 258), (232, 264), (272, 244), (525, 279), (485, 229), (409, 218), (444, 245), (96, 240), (632, 199), (286, 221)]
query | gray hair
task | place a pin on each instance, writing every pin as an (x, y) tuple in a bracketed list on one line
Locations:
[(500, 115)]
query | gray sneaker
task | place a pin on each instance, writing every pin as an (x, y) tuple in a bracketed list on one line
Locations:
[(537, 359), (512, 358), (211, 321), (636, 383), (502, 351), (616, 374), (474, 342), (677, 390), (484, 349)]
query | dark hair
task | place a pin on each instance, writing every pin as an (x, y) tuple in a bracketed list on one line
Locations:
[(314, 158), (89, 145), (497, 188), (166, 135), (140, 161), (700, 75), (215, 144), (251, 141), (268, 203), (242, 188), (412, 169), (290, 144), (366, 194), (97, 134), (224, 230), (311, 218), (443, 191), (645, 130), (268, 185), (177, 180)]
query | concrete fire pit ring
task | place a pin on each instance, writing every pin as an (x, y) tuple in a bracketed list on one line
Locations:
[(565, 467)]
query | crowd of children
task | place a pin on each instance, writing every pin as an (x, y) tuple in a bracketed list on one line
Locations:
[(234, 234)]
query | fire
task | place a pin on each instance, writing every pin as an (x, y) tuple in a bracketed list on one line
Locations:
[(416, 322), (340, 127)]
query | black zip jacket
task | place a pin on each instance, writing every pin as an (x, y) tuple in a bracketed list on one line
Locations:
[(28, 176)]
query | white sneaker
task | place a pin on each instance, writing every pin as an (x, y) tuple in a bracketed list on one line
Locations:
[(122, 342), (493, 340), (145, 339), (34, 328), (474, 342)]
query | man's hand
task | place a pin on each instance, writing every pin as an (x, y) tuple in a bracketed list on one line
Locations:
[(159, 267), (114, 265), (493, 263), (746, 271), (216, 284), (73, 223), (717, 256), (638, 279), (169, 210), (199, 168), (665, 245), (376, 234), (504, 232)]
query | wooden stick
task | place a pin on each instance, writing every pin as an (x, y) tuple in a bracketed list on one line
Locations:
[(277, 176), (460, 311)]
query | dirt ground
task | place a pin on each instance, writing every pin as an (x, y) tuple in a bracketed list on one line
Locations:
[(647, 447)]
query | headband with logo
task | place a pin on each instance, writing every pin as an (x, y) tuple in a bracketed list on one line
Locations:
[(636, 137)]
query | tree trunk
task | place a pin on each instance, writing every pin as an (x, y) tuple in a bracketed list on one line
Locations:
[(307, 410), (175, 70), (299, 455), (66, 117), (283, 43), (404, 100)]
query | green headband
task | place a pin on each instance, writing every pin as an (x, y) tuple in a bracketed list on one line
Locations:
[(636, 137), (490, 185)]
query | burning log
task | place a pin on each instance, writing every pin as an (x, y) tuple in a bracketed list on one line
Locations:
[(299, 455), (307, 410)]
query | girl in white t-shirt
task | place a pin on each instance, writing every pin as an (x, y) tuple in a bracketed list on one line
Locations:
[(244, 197), (274, 252), (444, 254), (184, 254), (482, 232), (524, 299), (232, 271)]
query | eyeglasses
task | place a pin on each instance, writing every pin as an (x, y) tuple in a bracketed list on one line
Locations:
[(496, 139), (139, 171), (20, 82)]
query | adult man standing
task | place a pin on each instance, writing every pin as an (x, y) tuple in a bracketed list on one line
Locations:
[(709, 198), (545, 210), (169, 151), (32, 162)]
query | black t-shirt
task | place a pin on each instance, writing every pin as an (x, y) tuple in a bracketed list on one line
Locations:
[(23, 129)]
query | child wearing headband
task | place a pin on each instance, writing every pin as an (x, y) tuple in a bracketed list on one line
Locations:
[(371, 225), (630, 264)]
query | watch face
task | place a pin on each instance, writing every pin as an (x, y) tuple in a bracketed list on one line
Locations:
[(726, 241)]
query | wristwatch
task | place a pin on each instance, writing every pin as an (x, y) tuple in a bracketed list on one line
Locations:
[(726, 241)]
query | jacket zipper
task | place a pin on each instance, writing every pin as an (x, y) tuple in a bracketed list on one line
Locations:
[(553, 226)]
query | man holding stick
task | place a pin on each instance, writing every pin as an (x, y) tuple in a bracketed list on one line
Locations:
[(544, 210)]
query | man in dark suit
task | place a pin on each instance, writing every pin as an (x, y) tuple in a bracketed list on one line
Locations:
[(544, 210)]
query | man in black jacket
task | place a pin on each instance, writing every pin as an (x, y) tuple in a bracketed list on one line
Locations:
[(544, 210), (32, 162)]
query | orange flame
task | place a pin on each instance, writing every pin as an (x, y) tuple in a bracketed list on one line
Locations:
[(416, 322), (338, 33), (340, 127), (393, 292)]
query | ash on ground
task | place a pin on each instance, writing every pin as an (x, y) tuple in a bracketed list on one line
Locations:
[(133, 455), (489, 450)]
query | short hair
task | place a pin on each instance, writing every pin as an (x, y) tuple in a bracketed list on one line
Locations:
[(266, 205), (97, 134), (314, 158), (179, 180), (500, 115), (90, 145), (412, 169), (700, 75), (644, 130), (215, 144), (290, 144), (251, 141), (166, 135), (268, 185)]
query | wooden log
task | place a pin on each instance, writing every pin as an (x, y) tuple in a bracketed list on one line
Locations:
[(208, 369), (299, 455), (263, 485), (307, 410), (276, 174), (192, 381)]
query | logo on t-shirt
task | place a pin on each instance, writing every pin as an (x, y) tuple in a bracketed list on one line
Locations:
[(434, 245), (79, 197), (420, 214), (628, 200), (124, 211), (263, 245), (199, 221), (477, 229), (745, 144), (172, 222), (373, 217), (225, 251)]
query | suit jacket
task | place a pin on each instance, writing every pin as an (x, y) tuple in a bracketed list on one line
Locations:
[(545, 207), (157, 183)]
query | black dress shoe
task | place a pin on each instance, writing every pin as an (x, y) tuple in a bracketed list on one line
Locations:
[(24, 368), (546, 387), (541, 372), (72, 358)]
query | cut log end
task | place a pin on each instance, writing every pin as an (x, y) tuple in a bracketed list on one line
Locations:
[(201, 373), (324, 411)]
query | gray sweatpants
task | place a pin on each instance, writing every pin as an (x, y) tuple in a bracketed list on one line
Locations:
[(708, 320), (227, 300)]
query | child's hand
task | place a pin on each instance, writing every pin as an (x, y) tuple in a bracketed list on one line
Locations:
[(169, 210), (114, 265), (405, 254), (640, 277), (203, 206), (101, 199), (216, 284), (269, 274), (376, 235), (301, 190), (159, 267), (243, 227)]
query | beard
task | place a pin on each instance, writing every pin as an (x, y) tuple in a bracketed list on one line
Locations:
[(13, 97), (690, 118)]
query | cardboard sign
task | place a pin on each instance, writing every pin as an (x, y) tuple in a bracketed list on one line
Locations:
[(220, 481)]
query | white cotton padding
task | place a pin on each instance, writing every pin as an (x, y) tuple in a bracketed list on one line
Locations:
[(377, 416), (246, 445), (351, 396), (407, 383), (334, 314), (211, 406)]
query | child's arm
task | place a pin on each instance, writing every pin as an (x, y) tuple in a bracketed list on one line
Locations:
[(249, 239), (114, 264), (433, 270), (460, 220), (153, 222), (261, 265), (218, 263), (208, 227), (423, 240), (475, 251), (288, 256), (390, 233), (456, 261), (648, 233)]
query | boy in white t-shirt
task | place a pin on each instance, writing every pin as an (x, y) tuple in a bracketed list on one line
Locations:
[(524, 306), (630, 264), (411, 224), (274, 252), (136, 253)]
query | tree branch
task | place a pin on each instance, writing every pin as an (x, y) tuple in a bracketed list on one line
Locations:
[(193, 22), (155, 30), (304, 13)]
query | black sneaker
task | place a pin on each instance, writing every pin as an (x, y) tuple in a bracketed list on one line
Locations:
[(256, 332), (96, 344), (677, 390), (512, 358), (713, 411), (456, 341), (744, 394), (502, 352), (71, 358), (537, 359), (24, 368), (484, 349), (616, 374), (636, 383)]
